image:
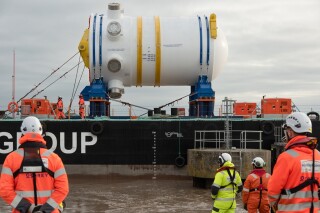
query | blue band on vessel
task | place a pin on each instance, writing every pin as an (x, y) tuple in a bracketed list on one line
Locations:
[(94, 41), (208, 40), (200, 29)]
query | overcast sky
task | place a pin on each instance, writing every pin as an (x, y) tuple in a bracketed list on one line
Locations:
[(274, 48)]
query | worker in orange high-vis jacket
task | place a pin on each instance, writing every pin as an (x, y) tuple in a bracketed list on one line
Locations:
[(81, 106), (293, 186), (254, 193), (60, 114), (33, 178)]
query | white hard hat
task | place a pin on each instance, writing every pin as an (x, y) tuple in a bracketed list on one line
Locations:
[(224, 157), (258, 162), (31, 124), (299, 122)]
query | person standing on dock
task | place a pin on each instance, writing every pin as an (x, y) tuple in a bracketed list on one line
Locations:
[(294, 184), (33, 178), (254, 194), (81, 106), (60, 114), (227, 183)]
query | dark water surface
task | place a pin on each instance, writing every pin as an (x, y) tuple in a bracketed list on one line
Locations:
[(116, 194)]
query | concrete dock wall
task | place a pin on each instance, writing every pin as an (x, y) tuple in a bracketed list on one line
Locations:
[(203, 163)]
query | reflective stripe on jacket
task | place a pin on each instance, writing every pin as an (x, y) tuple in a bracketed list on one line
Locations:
[(224, 197), (51, 191), (251, 190), (293, 167)]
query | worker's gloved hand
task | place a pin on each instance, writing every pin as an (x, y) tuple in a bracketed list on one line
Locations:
[(62, 206), (23, 206), (37, 209), (245, 207)]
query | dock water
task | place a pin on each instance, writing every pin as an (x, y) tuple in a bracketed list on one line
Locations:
[(143, 194)]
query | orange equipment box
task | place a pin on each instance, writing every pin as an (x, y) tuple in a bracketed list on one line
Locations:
[(244, 109), (276, 106)]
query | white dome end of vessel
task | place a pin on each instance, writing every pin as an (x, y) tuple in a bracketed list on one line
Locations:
[(220, 54)]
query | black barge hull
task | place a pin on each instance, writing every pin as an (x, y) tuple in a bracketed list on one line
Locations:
[(131, 142)]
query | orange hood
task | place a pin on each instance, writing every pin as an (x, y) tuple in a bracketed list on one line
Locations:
[(300, 140), (33, 137)]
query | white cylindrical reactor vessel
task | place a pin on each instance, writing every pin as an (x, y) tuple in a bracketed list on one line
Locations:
[(152, 51)]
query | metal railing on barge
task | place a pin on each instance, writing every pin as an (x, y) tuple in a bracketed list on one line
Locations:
[(219, 137)]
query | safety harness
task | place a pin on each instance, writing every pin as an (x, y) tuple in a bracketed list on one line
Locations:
[(32, 163), (259, 188), (232, 177), (312, 144)]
